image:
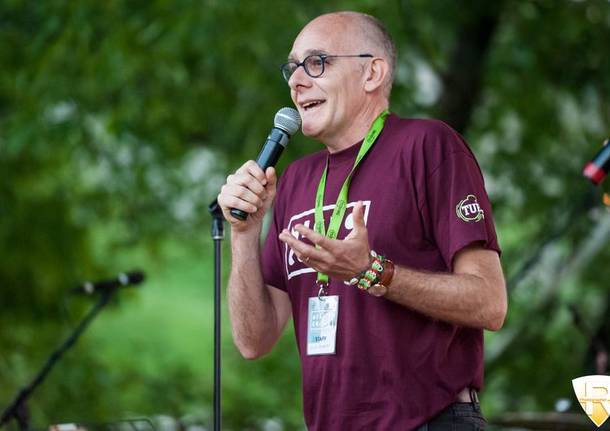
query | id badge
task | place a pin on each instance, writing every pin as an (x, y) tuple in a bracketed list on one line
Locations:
[(322, 320)]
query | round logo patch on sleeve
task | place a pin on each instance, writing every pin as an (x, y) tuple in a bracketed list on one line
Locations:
[(468, 209)]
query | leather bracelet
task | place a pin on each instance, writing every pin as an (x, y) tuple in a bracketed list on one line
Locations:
[(388, 273)]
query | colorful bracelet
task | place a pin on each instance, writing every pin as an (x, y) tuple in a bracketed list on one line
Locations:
[(375, 274)]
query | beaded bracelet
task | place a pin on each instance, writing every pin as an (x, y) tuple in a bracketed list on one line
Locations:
[(372, 275)]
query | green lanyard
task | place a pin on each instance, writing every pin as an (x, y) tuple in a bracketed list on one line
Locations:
[(339, 211)]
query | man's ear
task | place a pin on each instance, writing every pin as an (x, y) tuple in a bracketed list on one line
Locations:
[(376, 74)]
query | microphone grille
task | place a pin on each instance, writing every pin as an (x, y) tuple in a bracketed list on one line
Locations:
[(288, 120)]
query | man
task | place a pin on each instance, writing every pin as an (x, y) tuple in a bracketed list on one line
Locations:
[(402, 347)]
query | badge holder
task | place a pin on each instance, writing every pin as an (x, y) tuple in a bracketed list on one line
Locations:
[(323, 289), (322, 320)]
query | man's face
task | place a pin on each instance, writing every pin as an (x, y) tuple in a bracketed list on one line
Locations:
[(327, 104)]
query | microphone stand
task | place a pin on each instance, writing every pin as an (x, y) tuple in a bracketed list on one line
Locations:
[(18, 409), (217, 236)]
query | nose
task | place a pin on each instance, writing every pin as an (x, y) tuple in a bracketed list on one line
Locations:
[(298, 78)]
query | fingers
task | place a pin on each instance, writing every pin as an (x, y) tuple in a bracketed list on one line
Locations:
[(331, 244), (239, 196), (254, 170), (249, 175), (246, 190), (339, 259), (270, 188), (271, 175), (304, 252), (314, 237), (358, 216)]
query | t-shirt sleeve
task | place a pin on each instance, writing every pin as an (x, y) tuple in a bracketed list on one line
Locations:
[(456, 207)]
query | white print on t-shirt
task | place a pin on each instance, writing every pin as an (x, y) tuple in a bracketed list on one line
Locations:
[(294, 266)]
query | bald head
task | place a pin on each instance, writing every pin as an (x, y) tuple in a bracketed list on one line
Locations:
[(366, 31), (348, 89)]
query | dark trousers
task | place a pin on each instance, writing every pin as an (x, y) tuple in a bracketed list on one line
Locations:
[(457, 417)]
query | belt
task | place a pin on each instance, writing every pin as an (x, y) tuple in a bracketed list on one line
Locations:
[(467, 395)]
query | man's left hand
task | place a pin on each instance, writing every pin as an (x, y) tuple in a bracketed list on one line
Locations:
[(341, 259)]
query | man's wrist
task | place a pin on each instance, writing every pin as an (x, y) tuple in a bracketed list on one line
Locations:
[(251, 234), (376, 279), (388, 273)]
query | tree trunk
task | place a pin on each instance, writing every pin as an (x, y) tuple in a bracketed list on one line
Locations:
[(462, 81)]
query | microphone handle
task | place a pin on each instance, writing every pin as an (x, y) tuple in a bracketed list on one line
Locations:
[(268, 156)]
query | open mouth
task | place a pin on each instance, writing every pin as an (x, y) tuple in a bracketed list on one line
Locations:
[(312, 105)]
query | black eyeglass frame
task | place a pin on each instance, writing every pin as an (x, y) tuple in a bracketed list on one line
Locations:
[(322, 58)]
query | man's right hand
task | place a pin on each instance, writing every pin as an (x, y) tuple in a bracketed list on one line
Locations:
[(251, 190)]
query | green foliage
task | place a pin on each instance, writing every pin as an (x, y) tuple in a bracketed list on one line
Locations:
[(119, 121)]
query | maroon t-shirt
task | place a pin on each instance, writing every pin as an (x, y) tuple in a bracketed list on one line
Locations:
[(424, 200)]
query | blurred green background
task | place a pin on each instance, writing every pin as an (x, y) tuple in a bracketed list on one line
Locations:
[(119, 121)]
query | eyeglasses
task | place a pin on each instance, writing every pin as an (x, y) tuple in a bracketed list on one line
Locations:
[(312, 64)]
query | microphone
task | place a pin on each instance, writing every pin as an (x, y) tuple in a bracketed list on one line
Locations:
[(122, 280), (597, 169), (286, 122)]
